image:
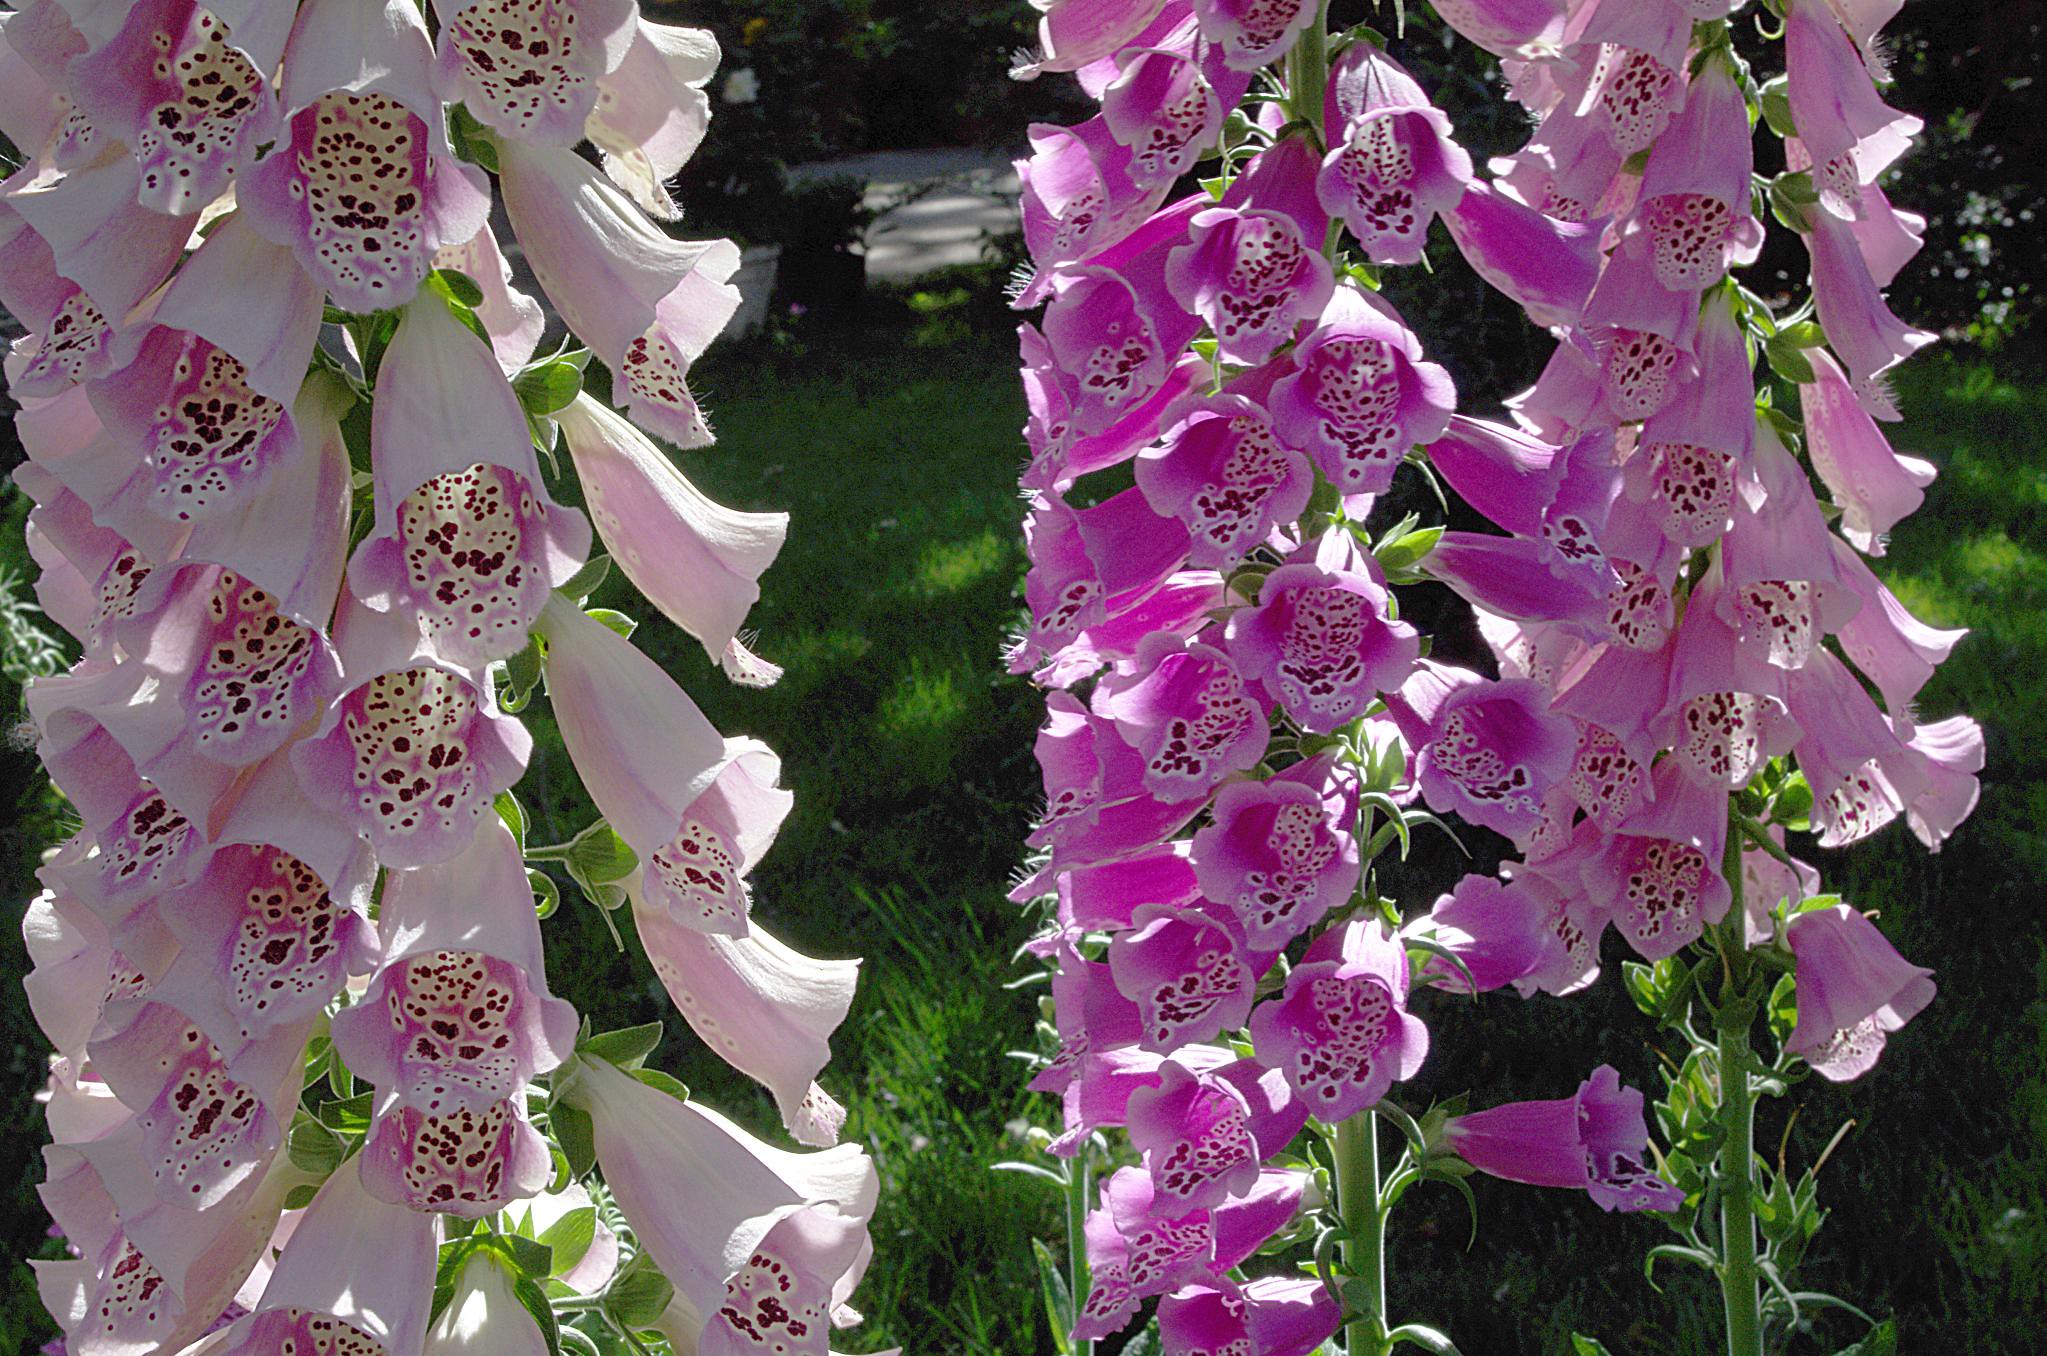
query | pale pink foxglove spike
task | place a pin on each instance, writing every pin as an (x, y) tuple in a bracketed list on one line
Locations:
[(695, 560), (1874, 487), (641, 746), (1341, 1031), (726, 1216), (1695, 194), (185, 90), (762, 1007), (528, 71), (357, 1278), (698, 879), (250, 299), (466, 538), (1252, 268), (513, 320), (652, 111), (483, 1317), (1936, 777), (73, 553), (1854, 990), (362, 185), (1392, 165), (114, 248), (1859, 324), (1254, 33), (458, 1014), (1081, 194), (413, 753), (1359, 394)]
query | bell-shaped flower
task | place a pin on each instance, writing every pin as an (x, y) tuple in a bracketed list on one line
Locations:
[(1392, 165), (761, 1006), (1320, 639), (1695, 194), (1487, 751), (531, 73), (1253, 268), (248, 299), (413, 753), (696, 560), (1076, 33), (698, 879), (1281, 853), (1767, 883), (1203, 1133), (1081, 194), (1544, 265), (1632, 95), (143, 846), (75, 968), (1894, 649), (1854, 990), (1593, 1142), (457, 1014), (1503, 27), (356, 1277), (643, 749), (1937, 779), (468, 1161), (115, 249), (1341, 1031), (648, 306), (762, 1245), (1568, 169), (483, 1317), (1105, 897), (69, 338), (1165, 96), (1359, 395), (1098, 802), (466, 537), (1221, 469), (1185, 707), (1498, 931), (652, 112), (1092, 566), (1254, 33), (1657, 876), (1270, 1316), (1189, 974), (363, 186), (1093, 1019), (187, 92), (1874, 487), (1833, 99), (1134, 1253), (1845, 746), (1860, 326)]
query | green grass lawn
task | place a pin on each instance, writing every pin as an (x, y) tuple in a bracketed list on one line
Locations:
[(894, 446)]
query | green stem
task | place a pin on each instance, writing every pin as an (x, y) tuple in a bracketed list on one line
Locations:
[(1740, 1282), (1079, 1185), (1363, 1213), (1308, 73)]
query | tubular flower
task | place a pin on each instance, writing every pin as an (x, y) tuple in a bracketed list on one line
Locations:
[(295, 495)]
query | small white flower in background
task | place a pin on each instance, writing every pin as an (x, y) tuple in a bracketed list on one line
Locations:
[(741, 87)]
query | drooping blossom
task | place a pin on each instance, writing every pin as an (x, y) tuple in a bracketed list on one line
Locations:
[(1854, 990), (1341, 1032), (1593, 1142)]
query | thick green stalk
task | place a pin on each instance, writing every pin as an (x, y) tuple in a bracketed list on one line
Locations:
[(1308, 71), (1364, 1226), (1079, 1186), (1740, 1282)]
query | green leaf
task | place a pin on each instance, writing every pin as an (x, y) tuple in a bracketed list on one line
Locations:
[(535, 1302), (1581, 1345), (598, 855), (522, 676), (470, 139), (1776, 104), (350, 1116), (666, 1082), (627, 1047), (613, 620), (1058, 1297), (1788, 360), (1425, 1337), (1882, 1340), (460, 286), (639, 1293), (576, 1135), (299, 1197), (514, 814), (585, 581), (547, 896), (570, 1237), (531, 1256), (312, 1147), (547, 387)]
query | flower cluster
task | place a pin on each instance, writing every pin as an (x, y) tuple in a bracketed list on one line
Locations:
[(1239, 721), (286, 428)]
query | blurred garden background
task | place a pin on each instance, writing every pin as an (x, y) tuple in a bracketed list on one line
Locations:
[(885, 419)]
